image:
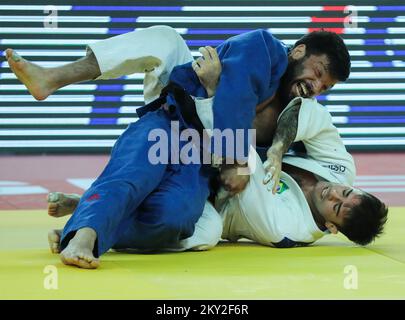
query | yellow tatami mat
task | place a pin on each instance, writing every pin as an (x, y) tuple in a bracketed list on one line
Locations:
[(332, 269)]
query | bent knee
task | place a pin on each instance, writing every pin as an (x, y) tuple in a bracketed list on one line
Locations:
[(166, 32)]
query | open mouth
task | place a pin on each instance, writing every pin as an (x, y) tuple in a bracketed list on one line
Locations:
[(302, 89)]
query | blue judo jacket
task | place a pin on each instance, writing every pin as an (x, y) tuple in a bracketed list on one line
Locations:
[(252, 65)]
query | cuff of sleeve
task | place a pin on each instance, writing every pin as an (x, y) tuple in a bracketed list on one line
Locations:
[(205, 112)]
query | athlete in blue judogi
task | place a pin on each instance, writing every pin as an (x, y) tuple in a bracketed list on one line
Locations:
[(136, 203)]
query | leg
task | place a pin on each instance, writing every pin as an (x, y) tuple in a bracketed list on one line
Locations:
[(169, 214), (154, 51), (207, 233), (42, 82), (126, 181)]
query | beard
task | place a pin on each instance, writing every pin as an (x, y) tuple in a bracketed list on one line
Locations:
[(294, 69)]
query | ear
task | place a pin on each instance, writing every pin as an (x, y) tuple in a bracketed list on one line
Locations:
[(298, 52), (331, 227)]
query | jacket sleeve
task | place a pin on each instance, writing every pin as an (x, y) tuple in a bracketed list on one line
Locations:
[(252, 65), (322, 141)]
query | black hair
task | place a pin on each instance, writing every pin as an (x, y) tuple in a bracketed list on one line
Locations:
[(331, 44), (366, 221)]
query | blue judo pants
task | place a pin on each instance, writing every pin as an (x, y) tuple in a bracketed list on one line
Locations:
[(136, 204)]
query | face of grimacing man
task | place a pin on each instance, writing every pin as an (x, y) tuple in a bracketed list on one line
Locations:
[(334, 202), (305, 77)]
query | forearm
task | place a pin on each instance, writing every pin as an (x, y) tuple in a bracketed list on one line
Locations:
[(286, 131)]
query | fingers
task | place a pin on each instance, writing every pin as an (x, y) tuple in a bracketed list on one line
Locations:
[(272, 180), (270, 169), (272, 177), (269, 175), (205, 52), (213, 54), (196, 66), (276, 181), (209, 53)]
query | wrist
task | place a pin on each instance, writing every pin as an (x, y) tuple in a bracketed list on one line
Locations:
[(277, 148), (210, 92)]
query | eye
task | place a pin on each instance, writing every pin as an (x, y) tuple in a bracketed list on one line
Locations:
[(347, 191), (337, 207)]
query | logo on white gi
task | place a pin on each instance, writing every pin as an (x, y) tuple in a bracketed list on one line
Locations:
[(337, 168)]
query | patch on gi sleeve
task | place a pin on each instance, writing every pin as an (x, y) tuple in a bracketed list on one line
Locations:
[(282, 186)]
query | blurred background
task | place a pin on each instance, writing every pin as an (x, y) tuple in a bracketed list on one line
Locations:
[(369, 109)]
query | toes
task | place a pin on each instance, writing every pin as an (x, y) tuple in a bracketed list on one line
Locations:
[(89, 260), (83, 264), (55, 248), (9, 53), (60, 204), (86, 257), (52, 209), (80, 260), (95, 263), (53, 197), (15, 57), (52, 206), (73, 260), (84, 261)]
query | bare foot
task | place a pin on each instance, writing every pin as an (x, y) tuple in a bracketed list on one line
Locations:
[(79, 251), (54, 240), (61, 204), (34, 77)]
